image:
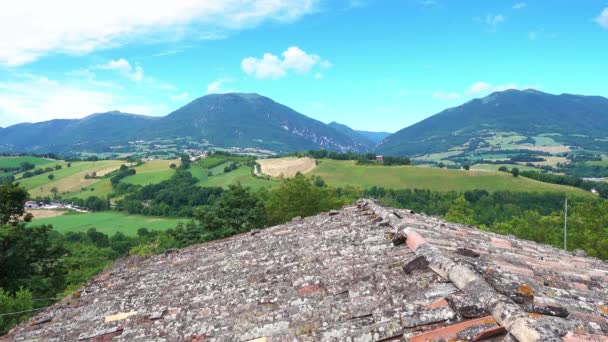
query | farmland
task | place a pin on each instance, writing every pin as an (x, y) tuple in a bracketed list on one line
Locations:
[(287, 167), (68, 179), (341, 173), (108, 222)]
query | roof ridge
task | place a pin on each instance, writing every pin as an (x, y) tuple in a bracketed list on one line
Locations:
[(505, 312)]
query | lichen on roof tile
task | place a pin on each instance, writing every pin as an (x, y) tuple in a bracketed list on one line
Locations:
[(336, 277)]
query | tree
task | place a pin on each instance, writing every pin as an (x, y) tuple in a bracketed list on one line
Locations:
[(466, 167), (54, 191), (51, 177), (299, 196), (441, 165), (503, 169), (12, 202), (236, 210), (515, 172), (21, 301), (69, 165), (460, 211)]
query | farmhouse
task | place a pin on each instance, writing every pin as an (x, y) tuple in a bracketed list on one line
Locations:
[(32, 205), (364, 273), (380, 159)]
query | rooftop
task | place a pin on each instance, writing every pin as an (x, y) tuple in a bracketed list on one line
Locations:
[(364, 273)]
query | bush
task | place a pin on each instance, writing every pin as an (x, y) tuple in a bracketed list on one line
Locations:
[(515, 172), (20, 301)]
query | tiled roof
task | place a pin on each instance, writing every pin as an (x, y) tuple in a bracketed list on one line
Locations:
[(364, 273)]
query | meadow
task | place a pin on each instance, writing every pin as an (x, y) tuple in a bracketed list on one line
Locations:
[(108, 222), (342, 173), (68, 179), (15, 162)]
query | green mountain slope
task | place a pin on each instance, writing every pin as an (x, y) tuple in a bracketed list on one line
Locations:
[(226, 120), (572, 120)]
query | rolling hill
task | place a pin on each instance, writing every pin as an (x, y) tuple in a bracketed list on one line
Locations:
[(533, 116), (224, 120)]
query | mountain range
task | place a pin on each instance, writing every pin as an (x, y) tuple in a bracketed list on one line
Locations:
[(250, 120), (224, 120), (568, 120)]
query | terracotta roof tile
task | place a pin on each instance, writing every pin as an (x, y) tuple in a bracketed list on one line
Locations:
[(336, 277)]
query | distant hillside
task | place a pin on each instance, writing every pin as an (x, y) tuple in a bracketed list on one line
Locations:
[(226, 120), (571, 120), (364, 137), (376, 137)]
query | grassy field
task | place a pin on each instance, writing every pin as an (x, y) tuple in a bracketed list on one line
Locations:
[(15, 162), (108, 222), (495, 167), (220, 178), (340, 173), (68, 179)]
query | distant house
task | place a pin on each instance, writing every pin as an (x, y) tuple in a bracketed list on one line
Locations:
[(31, 205), (593, 191), (380, 159)]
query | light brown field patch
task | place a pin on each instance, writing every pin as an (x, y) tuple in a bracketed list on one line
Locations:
[(45, 213), (288, 167), (549, 149), (552, 161), (77, 181)]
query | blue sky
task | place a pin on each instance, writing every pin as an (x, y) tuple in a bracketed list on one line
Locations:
[(373, 65)]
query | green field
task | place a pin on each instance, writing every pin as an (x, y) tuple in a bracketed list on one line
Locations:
[(108, 222), (341, 173), (219, 178), (68, 179), (149, 177), (15, 162), (495, 167)]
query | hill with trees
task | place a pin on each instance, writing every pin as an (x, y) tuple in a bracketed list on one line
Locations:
[(223, 120), (569, 120)]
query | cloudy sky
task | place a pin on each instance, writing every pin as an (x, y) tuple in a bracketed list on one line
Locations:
[(374, 65)]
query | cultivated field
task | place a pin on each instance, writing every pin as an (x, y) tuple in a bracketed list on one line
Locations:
[(287, 167), (15, 162), (108, 222), (152, 172), (68, 179), (44, 213), (341, 173)]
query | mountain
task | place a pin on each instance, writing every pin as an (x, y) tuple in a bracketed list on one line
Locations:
[(570, 120), (375, 137), (225, 120), (364, 137)]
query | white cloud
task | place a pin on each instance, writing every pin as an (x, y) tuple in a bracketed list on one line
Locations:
[(319, 76), (484, 87), (479, 87), (33, 98), (519, 5), (124, 67), (440, 95), (215, 87), (180, 97), (31, 29), (494, 20), (602, 19), (274, 67)]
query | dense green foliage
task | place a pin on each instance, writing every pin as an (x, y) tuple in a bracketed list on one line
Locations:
[(600, 187), (177, 197)]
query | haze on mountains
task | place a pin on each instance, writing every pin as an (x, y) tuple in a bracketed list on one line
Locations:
[(251, 120)]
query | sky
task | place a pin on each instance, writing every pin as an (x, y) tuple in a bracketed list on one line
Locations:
[(377, 65)]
